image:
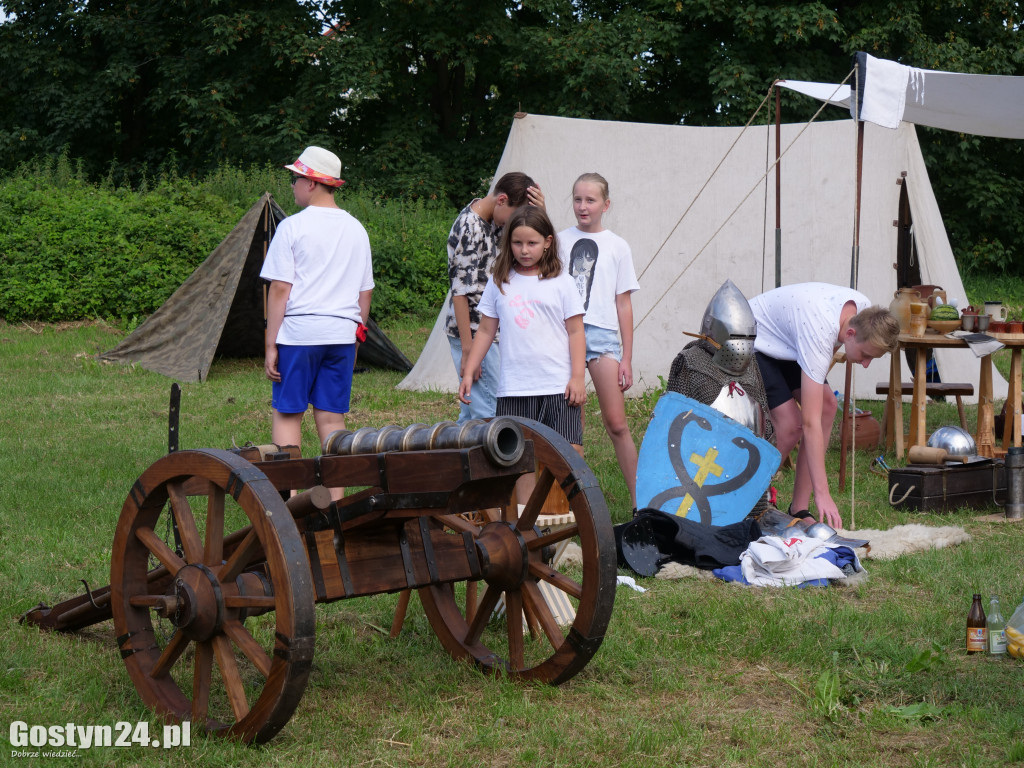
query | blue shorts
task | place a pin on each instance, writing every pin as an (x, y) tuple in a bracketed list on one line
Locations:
[(320, 375), (601, 342)]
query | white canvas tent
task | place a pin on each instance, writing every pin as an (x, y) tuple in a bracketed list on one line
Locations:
[(696, 210)]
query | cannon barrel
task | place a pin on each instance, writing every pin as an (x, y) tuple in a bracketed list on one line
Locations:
[(501, 438)]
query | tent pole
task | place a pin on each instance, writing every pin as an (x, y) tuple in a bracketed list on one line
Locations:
[(266, 244), (778, 187), (846, 423)]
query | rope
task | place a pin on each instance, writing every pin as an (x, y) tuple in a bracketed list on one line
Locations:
[(903, 498), (731, 214), (706, 182)]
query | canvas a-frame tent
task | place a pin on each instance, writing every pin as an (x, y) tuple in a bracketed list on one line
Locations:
[(219, 310), (697, 207)]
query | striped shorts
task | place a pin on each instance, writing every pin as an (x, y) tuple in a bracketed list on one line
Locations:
[(552, 411)]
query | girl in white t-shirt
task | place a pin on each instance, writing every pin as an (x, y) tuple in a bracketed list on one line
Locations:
[(601, 264), (535, 303)]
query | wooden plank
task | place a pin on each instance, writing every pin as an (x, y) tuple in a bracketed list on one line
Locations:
[(334, 587)]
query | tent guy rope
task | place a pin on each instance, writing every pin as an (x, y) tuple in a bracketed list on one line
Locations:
[(711, 239)]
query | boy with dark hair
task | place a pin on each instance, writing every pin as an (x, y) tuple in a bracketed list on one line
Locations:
[(472, 247)]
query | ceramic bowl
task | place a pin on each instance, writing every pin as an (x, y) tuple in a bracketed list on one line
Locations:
[(944, 326)]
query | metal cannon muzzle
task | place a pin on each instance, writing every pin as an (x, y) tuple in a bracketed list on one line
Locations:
[(501, 438)]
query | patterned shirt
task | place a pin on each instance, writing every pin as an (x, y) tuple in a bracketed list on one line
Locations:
[(472, 249)]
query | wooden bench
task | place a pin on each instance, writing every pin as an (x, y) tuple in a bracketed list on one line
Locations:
[(932, 389)]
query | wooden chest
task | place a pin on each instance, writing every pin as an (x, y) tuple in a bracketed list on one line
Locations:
[(927, 488)]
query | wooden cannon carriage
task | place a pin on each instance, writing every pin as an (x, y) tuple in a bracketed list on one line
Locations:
[(219, 556)]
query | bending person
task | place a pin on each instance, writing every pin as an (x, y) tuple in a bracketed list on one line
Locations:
[(799, 329)]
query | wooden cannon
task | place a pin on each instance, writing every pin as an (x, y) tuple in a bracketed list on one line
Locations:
[(219, 556)]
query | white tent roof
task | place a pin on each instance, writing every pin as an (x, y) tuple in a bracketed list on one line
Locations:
[(696, 213), (984, 105)]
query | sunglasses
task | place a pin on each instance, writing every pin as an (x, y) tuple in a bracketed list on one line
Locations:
[(296, 178)]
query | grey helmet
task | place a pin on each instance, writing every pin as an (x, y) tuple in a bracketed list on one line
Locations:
[(729, 322)]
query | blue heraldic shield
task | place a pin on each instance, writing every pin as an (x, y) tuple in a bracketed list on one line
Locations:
[(698, 463)]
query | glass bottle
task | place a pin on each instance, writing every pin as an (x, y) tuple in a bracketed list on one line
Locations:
[(996, 626), (976, 631)]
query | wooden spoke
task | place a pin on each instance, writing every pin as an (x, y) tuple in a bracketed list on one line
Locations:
[(241, 557), (514, 624), (190, 541), (535, 604), (225, 656), (253, 650), (214, 550), (483, 615), (471, 599), (562, 534), (156, 547), (560, 580), (509, 512), (535, 504), (201, 676), (170, 655), (532, 624)]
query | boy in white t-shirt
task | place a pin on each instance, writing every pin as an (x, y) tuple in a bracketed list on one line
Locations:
[(321, 284), (799, 328)]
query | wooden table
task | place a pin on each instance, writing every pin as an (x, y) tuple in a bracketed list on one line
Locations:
[(985, 436)]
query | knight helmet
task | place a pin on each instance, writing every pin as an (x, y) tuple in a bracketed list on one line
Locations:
[(729, 323)]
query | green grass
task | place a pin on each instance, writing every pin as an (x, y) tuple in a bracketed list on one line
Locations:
[(692, 672)]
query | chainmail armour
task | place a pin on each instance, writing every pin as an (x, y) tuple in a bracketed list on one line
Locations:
[(694, 375)]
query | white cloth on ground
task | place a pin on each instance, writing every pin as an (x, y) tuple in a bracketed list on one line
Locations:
[(774, 561)]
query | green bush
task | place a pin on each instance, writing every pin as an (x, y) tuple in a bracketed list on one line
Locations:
[(410, 262), (72, 250)]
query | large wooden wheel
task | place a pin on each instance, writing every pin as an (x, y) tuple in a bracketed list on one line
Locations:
[(515, 555), (228, 644)]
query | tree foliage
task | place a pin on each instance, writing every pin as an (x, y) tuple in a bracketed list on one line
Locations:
[(418, 95), (177, 83)]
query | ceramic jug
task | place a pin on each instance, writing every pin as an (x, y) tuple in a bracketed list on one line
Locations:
[(900, 306)]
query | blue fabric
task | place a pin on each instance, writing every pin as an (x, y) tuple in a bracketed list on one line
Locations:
[(840, 557)]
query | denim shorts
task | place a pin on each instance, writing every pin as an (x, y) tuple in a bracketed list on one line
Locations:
[(601, 342)]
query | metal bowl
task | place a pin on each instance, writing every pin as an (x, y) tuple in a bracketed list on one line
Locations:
[(956, 440)]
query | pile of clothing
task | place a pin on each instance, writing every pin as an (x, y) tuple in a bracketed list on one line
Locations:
[(797, 560), (773, 549)]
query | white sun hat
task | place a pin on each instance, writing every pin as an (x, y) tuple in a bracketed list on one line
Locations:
[(320, 165)]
